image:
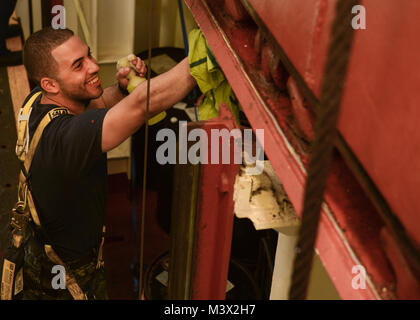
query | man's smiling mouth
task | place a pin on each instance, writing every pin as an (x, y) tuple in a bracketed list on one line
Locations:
[(94, 80)]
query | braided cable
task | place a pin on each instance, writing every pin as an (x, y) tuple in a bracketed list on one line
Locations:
[(322, 146)]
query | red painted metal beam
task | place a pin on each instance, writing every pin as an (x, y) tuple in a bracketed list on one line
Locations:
[(268, 109), (214, 222)]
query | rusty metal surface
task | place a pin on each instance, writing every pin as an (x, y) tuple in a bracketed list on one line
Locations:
[(408, 288), (302, 30)]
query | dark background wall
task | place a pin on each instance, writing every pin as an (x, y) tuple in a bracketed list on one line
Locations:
[(9, 164)]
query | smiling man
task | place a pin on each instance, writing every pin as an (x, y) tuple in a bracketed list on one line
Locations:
[(68, 173)]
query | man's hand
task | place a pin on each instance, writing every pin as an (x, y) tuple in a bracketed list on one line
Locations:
[(129, 114), (122, 73)]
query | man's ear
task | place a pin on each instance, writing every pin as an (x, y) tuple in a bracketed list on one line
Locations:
[(49, 85)]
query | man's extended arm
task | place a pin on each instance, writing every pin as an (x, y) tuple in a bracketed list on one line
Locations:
[(126, 117), (111, 96)]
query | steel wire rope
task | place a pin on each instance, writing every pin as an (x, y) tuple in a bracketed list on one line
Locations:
[(322, 145), (146, 139)]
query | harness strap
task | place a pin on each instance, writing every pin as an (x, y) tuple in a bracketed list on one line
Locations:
[(71, 283), (25, 152), (23, 127), (54, 113), (27, 156)]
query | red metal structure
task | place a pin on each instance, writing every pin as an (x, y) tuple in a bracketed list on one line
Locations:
[(214, 224), (201, 242), (273, 53)]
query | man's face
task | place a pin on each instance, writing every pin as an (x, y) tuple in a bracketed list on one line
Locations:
[(77, 71)]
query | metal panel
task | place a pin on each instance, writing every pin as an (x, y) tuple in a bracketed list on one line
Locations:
[(202, 222), (214, 224), (184, 211), (379, 111), (302, 30), (379, 117)]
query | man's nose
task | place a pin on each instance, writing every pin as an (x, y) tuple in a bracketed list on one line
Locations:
[(93, 66)]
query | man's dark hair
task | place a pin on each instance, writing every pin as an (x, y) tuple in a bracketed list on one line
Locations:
[(37, 56)]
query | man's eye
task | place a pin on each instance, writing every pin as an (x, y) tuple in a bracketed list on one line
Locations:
[(78, 65)]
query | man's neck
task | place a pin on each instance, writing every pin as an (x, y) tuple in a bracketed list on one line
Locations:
[(74, 106)]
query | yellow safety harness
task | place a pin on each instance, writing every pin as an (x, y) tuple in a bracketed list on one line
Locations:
[(24, 210)]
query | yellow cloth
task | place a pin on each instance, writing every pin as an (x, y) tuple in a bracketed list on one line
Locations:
[(210, 79)]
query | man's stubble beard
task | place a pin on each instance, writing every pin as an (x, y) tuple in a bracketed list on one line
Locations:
[(80, 94)]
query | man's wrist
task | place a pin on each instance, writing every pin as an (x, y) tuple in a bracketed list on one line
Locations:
[(122, 90)]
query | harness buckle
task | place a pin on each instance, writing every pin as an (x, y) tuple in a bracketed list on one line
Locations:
[(20, 218)]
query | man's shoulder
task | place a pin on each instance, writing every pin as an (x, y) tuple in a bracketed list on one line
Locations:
[(39, 111)]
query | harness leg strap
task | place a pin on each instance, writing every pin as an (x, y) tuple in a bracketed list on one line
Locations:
[(71, 283)]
